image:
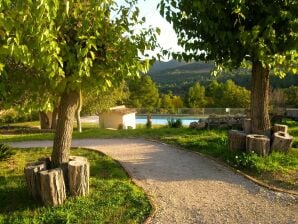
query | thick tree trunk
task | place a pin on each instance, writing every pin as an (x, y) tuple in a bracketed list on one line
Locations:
[(45, 118), (78, 113), (64, 129), (52, 187), (260, 123)]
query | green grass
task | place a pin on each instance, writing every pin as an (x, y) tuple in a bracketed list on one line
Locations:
[(277, 169), (113, 197)]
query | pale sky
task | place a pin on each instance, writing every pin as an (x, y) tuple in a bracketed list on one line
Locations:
[(148, 9)]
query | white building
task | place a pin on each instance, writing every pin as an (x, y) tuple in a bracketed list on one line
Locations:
[(118, 117)]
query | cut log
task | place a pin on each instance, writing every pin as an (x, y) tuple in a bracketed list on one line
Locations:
[(32, 177), (247, 125), (78, 158), (237, 140), (280, 127), (260, 144), (282, 142), (78, 177), (52, 187)]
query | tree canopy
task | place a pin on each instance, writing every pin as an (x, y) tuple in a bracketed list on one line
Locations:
[(232, 32)]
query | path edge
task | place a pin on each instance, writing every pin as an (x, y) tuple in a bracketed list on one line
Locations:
[(135, 181), (234, 170)]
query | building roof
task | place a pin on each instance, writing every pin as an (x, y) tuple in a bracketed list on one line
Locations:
[(123, 110)]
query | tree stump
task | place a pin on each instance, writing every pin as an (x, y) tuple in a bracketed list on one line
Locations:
[(237, 140), (282, 142), (52, 187), (78, 177), (280, 127), (260, 144), (32, 177), (78, 158), (247, 125)]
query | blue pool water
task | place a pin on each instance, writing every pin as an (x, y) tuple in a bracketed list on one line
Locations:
[(163, 120)]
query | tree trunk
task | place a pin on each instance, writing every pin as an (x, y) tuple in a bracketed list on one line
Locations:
[(54, 118), (78, 177), (260, 99), (78, 114), (32, 177), (64, 129), (45, 118), (52, 187)]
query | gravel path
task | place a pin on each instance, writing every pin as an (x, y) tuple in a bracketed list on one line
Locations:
[(188, 188)]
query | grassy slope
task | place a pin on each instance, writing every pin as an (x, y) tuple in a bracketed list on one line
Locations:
[(112, 199)]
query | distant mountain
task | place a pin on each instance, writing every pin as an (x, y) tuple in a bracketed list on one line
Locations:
[(164, 65), (177, 76)]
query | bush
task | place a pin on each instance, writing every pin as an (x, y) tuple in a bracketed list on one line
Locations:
[(174, 123), (5, 152), (13, 116)]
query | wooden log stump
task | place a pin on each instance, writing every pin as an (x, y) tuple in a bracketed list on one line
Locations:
[(247, 125), (78, 177), (282, 142), (52, 187), (237, 140), (78, 158), (260, 144), (32, 177), (280, 127)]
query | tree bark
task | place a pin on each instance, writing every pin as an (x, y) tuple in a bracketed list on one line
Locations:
[(260, 99), (237, 140), (260, 144), (45, 118), (52, 187), (64, 129), (32, 177), (78, 174), (78, 113), (282, 142)]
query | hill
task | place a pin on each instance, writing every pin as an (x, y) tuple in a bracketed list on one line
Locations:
[(177, 77)]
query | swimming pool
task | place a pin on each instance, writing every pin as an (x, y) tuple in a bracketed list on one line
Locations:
[(163, 120)]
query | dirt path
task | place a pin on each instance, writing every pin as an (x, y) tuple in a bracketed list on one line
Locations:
[(188, 188)]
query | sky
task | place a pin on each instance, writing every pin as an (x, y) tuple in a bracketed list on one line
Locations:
[(148, 9)]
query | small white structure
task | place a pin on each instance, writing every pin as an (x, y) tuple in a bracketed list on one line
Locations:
[(118, 117)]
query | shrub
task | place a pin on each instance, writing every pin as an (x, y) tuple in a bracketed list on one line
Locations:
[(5, 152), (174, 123)]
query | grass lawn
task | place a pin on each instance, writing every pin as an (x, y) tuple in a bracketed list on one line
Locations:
[(277, 169), (113, 197)]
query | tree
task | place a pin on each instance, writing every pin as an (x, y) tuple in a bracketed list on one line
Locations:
[(234, 32), (196, 96), (69, 46), (97, 101), (292, 96), (143, 93), (170, 102)]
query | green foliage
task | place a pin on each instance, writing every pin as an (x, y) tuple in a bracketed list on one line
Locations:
[(112, 199), (5, 152), (95, 101), (174, 123), (196, 96), (292, 96), (227, 95), (234, 32), (143, 93), (55, 46)]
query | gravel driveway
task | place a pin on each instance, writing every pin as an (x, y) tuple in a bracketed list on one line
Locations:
[(189, 188)]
